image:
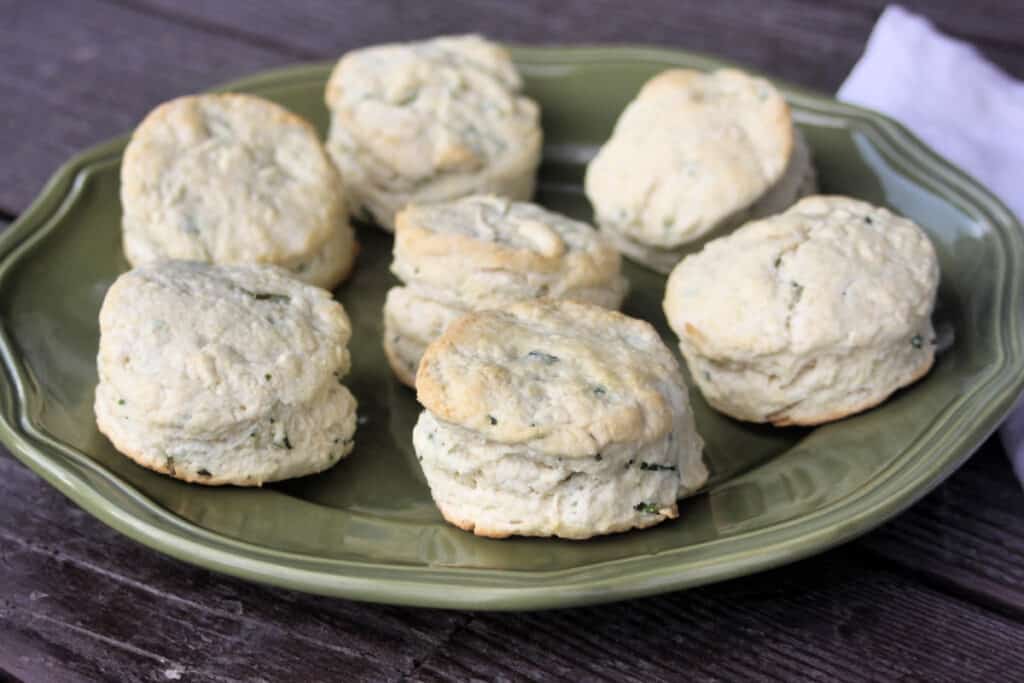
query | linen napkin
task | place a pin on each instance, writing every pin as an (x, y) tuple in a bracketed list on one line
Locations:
[(959, 103)]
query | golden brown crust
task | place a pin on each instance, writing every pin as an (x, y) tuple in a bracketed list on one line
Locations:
[(860, 407), (609, 377), (212, 178), (471, 526), (344, 268), (276, 114), (398, 366), (398, 130), (732, 130), (264, 402), (188, 477), (416, 242), (140, 459), (441, 243), (808, 316)]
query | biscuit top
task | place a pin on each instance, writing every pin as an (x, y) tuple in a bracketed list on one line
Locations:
[(227, 343), (446, 105), (689, 151), (227, 178), (831, 273), (452, 245), (568, 378)]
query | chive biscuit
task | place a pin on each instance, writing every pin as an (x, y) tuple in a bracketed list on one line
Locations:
[(430, 121), (808, 316), (484, 252), (233, 178), (555, 418), (224, 374), (693, 154)]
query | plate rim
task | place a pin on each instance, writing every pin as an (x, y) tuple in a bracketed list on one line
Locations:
[(82, 480)]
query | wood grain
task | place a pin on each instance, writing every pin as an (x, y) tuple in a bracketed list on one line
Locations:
[(967, 536), (934, 595), (836, 617), (734, 30), (73, 589), (76, 72), (85, 602), (70, 84), (808, 42)]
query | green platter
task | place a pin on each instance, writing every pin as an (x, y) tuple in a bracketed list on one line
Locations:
[(367, 528)]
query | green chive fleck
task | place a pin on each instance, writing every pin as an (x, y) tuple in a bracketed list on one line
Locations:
[(649, 508), (545, 358), (266, 296), (798, 291), (916, 341)]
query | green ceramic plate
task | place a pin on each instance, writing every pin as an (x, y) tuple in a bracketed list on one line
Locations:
[(367, 528)]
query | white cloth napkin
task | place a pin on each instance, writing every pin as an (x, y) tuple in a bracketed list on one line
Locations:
[(959, 103)]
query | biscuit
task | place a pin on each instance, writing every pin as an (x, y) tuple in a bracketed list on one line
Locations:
[(224, 374), (808, 316), (231, 178), (411, 322), (483, 252), (555, 418), (430, 121), (695, 155)]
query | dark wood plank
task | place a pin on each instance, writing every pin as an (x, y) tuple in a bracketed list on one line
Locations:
[(966, 536), (735, 30), (933, 595), (79, 600), (69, 84), (995, 23), (836, 617), (76, 72), (808, 42)]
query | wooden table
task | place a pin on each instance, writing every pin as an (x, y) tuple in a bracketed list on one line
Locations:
[(937, 594)]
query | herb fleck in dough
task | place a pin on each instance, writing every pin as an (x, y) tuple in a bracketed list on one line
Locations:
[(695, 155), (430, 121), (224, 374), (808, 316), (485, 252), (232, 178), (555, 418)]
